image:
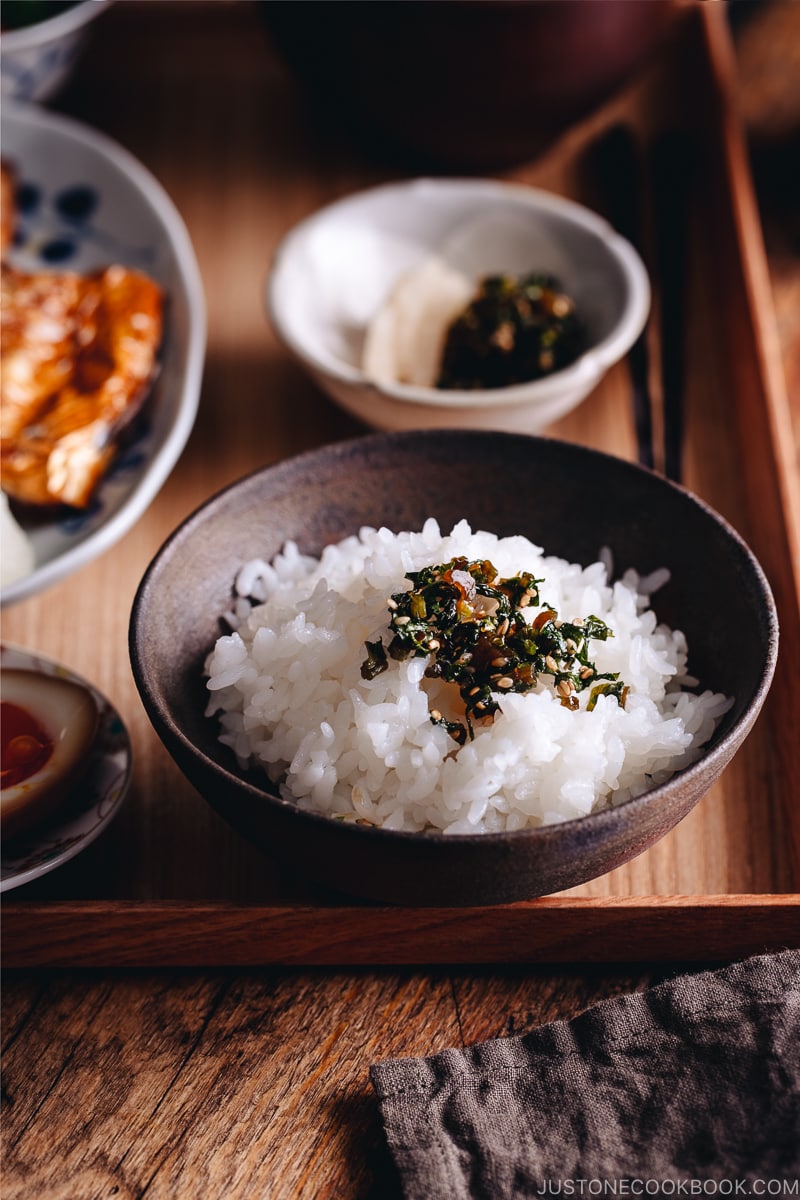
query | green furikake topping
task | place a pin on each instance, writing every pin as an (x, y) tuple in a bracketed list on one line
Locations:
[(472, 625), (515, 330)]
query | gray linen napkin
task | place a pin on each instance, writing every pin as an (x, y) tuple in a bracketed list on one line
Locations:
[(695, 1079)]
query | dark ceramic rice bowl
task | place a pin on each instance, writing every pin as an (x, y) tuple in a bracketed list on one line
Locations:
[(569, 499)]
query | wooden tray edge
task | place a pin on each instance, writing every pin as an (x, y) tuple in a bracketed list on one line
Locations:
[(768, 455), (184, 934), (758, 289), (640, 928)]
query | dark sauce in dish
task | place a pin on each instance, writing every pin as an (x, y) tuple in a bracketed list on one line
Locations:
[(25, 746)]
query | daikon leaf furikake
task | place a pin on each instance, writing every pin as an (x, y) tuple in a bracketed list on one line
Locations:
[(514, 330), (471, 623)]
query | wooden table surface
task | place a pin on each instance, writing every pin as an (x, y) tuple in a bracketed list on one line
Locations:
[(222, 1083)]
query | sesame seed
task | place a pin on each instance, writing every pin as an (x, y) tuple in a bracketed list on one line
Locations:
[(503, 337)]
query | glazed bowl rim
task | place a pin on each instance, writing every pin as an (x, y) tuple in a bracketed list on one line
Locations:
[(710, 759)]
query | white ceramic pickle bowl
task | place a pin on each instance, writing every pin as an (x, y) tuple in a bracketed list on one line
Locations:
[(334, 271)]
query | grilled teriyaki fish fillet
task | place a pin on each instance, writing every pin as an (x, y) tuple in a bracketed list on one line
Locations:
[(78, 356)]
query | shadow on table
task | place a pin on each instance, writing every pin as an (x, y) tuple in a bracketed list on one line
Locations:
[(364, 1145)]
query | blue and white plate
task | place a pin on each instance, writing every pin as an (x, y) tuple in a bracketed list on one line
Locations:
[(36, 59), (95, 801), (85, 202)]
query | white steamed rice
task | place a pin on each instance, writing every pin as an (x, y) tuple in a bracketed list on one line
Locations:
[(287, 686)]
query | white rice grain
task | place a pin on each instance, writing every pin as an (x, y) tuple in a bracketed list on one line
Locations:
[(286, 687)]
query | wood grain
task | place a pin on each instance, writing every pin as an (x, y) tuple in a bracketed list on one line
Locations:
[(125, 933), (80, 1070), (210, 1086), (244, 157), (492, 1006), (255, 1084), (233, 1084)]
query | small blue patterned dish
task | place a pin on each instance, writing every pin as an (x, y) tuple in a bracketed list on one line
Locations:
[(84, 202), (36, 59), (92, 805)]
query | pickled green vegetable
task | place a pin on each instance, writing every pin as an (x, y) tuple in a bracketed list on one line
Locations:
[(514, 330)]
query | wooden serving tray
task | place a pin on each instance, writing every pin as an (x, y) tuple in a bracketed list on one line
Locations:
[(169, 882)]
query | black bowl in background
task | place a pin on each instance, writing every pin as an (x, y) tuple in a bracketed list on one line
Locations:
[(470, 84), (569, 499)]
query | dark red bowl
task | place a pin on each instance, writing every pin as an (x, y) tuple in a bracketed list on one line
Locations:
[(467, 84)]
